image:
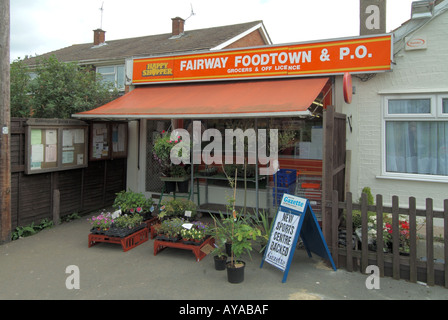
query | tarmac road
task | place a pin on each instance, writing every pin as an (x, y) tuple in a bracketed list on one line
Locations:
[(35, 268)]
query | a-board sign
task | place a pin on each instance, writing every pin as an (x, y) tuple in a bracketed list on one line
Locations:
[(295, 218)]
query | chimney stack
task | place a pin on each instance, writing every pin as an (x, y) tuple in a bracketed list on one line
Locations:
[(99, 37), (178, 26)]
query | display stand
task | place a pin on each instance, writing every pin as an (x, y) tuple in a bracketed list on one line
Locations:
[(159, 245), (127, 243)]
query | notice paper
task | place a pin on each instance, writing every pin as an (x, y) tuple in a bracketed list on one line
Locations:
[(280, 244)]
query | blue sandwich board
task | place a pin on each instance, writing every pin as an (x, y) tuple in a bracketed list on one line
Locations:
[(294, 218)]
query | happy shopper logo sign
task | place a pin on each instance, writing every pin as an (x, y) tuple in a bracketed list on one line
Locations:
[(354, 55)]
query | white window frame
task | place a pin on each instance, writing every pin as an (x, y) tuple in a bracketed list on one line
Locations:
[(115, 73), (440, 113), (434, 115)]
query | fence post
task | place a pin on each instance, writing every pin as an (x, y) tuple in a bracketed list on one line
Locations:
[(379, 234), (413, 240), (395, 239), (429, 243), (335, 228), (364, 234), (445, 239), (349, 231)]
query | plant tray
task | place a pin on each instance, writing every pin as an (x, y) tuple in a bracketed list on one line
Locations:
[(127, 243), (160, 245), (193, 243), (165, 238), (123, 232)]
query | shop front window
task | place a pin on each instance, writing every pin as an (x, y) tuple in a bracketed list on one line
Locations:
[(298, 138), (416, 137)]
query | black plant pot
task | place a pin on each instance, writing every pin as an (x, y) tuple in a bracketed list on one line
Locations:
[(220, 262), (170, 186), (229, 248), (182, 186), (235, 274)]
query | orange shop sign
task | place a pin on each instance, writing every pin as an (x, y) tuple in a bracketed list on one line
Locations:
[(368, 54)]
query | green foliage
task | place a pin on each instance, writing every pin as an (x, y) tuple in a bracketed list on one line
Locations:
[(264, 224), (162, 154), (70, 217), (242, 239), (128, 221), (177, 207), (356, 214), (31, 229), (239, 232), (171, 227), (21, 99), (128, 201), (59, 89), (368, 192)]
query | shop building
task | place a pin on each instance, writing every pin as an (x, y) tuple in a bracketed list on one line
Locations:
[(297, 89)]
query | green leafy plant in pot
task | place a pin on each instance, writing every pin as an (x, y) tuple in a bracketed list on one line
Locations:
[(130, 202), (242, 236), (218, 232), (263, 223)]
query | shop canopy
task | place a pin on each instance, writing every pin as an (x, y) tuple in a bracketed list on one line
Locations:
[(240, 99)]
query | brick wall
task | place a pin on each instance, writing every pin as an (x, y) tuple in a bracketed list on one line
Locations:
[(251, 40)]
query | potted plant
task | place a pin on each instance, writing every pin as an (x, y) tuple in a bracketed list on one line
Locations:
[(264, 224), (242, 236), (130, 202), (170, 229), (194, 233), (178, 208), (180, 174), (125, 225), (171, 173), (101, 223), (221, 237)]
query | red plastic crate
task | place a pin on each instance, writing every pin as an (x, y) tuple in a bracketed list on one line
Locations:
[(159, 245), (127, 243)]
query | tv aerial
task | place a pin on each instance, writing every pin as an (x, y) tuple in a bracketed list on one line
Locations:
[(191, 13), (102, 10)]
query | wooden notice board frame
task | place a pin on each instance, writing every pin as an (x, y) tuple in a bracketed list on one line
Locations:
[(55, 145), (108, 140)]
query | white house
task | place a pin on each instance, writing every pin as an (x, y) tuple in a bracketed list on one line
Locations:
[(397, 127)]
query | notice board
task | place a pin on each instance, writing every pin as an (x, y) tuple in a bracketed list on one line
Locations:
[(295, 218), (55, 144), (108, 140)]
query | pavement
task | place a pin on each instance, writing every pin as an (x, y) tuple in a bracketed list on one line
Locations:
[(35, 267)]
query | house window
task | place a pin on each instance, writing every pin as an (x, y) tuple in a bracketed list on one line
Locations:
[(416, 136), (113, 74), (445, 106)]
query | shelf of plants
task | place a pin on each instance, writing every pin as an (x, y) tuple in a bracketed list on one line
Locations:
[(128, 225)]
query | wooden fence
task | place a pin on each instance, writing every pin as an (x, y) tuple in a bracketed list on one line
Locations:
[(54, 194), (387, 237)]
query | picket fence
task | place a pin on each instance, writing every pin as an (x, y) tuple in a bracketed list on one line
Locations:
[(388, 237)]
